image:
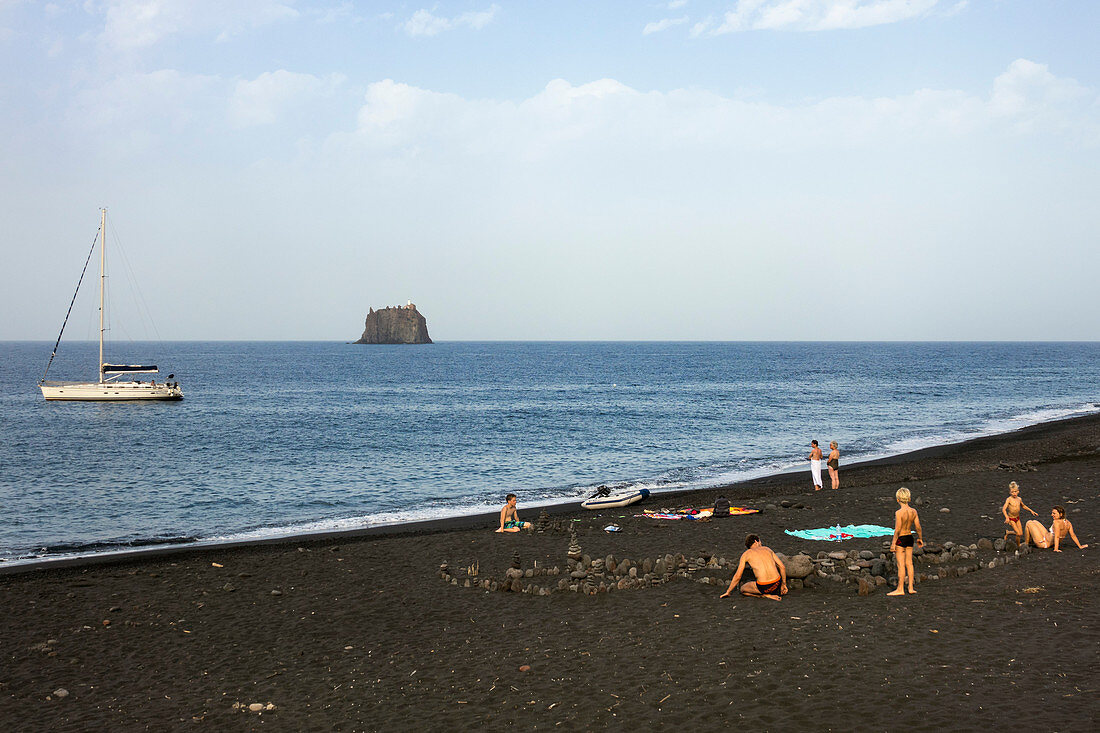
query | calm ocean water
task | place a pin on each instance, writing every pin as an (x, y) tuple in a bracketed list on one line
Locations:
[(277, 438)]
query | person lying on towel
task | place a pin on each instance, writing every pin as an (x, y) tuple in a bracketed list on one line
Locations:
[(770, 573)]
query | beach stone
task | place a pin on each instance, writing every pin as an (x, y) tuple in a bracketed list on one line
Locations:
[(60, 693), (866, 587), (984, 544), (786, 503), (999, 544), (647, 566), (660, 567), (578, 574), (879, 581), (801, 506), (770, 507), (586, 561), (866, 555), (838, 555), (878, 567), (864, 564), (609, 563), (918, 501), (853, 568), (624, 565), (1011, 546), (798, 566), (276, 592), (633, 572), (256, 707), (945, 510)]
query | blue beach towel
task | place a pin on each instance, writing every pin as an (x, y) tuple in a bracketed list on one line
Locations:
[(838, 533)]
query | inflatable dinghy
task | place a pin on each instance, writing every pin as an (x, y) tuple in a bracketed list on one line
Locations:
[(606, 499)]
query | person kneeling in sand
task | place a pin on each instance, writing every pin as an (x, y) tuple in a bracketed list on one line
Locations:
[(769, 571), (1059, 528), (1011, 511), (509, 519), (905, 519)]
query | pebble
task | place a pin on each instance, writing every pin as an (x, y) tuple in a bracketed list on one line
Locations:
[(60, 692), (866, 555), (256, 707), (945, 510), (525, 668), (276, 592), (838, 555)]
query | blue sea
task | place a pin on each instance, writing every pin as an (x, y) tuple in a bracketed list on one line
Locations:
[(291, 437)]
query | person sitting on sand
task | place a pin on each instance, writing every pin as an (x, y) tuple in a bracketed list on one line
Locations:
[(1011, 511), (905, 519), (769, 571), (1059, 528), (509, 519)]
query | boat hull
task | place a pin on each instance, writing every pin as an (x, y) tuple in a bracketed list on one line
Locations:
[(109, 392)]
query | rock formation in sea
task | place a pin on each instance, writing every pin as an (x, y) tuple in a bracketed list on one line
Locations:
[(399, 324)]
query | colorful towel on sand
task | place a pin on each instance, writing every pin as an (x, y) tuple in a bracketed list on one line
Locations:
[(698, 513), (838, 533)]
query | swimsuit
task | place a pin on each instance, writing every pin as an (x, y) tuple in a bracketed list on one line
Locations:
[(906, 540), (772, 587), (1014, 519), (510, 525), (834, 463)]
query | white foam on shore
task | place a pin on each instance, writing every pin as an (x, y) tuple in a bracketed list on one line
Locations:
[(993, 426)]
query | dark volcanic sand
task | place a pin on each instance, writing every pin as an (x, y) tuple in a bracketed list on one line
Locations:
[(363, 634)]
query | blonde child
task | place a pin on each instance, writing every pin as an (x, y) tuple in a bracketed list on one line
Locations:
[(1011, 512), (905, 520)]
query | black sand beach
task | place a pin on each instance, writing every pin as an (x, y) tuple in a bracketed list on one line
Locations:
[(359, 632)]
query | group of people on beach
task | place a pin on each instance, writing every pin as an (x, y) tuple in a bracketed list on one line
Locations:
[(770, 574), (833, 464), (1034, 531)]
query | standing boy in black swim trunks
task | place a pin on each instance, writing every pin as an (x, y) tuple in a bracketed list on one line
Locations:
[(769, 571), (905, 519)]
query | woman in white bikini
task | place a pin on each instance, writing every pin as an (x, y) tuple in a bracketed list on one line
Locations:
[(1059, 528)]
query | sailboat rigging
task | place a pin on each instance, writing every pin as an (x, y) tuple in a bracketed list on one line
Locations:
[(110, 386)]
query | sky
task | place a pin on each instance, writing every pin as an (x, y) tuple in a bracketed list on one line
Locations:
[(684, 170)]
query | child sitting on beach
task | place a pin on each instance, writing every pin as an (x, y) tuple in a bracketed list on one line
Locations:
[(509, 519), (1011, 511), (905, 519)]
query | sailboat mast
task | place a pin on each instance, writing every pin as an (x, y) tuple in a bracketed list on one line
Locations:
[(102, 284)]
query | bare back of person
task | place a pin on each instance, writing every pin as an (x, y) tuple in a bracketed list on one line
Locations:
[(762, 561), (768, 570), (905, 516)]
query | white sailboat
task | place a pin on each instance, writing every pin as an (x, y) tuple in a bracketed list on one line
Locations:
[(111, 386)]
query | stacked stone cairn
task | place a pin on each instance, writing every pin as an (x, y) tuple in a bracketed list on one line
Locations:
[(542, 524)]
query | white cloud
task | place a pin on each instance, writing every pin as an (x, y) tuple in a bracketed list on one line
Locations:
[(677, 4), (135, 24), (424, 23), (261, 100), (816, 15), (604, 116), (663, 24)]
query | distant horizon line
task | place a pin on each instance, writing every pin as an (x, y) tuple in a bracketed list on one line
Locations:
[(584, 341)]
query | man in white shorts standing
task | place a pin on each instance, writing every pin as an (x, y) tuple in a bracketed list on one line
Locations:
[(815, 464)]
